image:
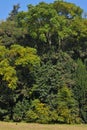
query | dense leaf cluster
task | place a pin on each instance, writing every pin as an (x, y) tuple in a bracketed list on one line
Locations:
[(43, 64)]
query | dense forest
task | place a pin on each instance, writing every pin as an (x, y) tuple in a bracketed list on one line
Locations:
[(43, 64)]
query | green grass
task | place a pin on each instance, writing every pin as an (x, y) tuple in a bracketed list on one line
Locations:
[(27, 126)]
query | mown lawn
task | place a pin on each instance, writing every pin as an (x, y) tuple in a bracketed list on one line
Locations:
[(27, 126)]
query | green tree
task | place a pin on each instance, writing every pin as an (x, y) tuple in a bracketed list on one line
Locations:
[(20, 109), (38, 112), (77, 40), (16, 77), (67, 107), (54, 26), (10, 34), (69, 10), (80, 89), (16, 56), (46, 26), (56, 71), (13, 13)]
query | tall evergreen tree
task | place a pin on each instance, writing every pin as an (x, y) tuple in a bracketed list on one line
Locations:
[(14, 12), (80, 89)]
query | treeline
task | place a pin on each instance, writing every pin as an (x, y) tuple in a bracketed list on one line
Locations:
[(43, 64)]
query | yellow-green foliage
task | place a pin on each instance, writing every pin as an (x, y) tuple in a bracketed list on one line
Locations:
[(67, 107), (13, 57), (9, 73), (39, 112), (24, 56)]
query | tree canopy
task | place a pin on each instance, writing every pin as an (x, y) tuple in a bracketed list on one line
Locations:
[(43, 64)]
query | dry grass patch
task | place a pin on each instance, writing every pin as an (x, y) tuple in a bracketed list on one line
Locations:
[(26, 126)]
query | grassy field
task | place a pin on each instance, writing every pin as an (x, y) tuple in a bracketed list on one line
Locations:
[(26, 126)]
